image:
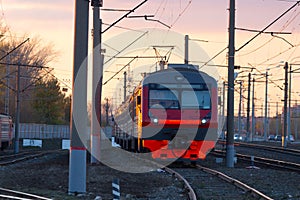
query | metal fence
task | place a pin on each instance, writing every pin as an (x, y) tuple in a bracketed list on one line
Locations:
[(43, 131)]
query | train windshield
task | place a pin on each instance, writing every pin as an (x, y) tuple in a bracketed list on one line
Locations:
[(163, 98), (174, 96), (195, 99)]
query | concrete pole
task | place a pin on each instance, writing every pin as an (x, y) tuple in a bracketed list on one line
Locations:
[(77, 163), (106, 112), (125, 82), (17, 106), (186, 50), (248, 107), (284, 142), (240, 108), (96, 85), (253, 113), (277, 119), (7, 86), (289, 109), (230, 101), (266, 109), (295, 122), (223, 110)]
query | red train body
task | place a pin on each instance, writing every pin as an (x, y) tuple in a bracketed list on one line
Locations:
[(6, 131), (171, 114)]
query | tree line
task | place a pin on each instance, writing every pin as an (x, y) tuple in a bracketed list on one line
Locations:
[(41, 97)]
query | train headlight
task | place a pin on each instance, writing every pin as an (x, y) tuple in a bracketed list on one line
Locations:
[(155, 120), (203, 121)]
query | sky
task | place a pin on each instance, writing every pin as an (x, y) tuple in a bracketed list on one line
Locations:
[(53, 22)]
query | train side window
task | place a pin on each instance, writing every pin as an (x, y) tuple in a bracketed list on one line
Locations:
[(138, 100)]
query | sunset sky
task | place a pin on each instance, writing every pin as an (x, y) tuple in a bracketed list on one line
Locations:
[(201, 19)]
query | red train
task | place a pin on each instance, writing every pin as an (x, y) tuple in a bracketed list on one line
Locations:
[(6, 131), (171, 114)]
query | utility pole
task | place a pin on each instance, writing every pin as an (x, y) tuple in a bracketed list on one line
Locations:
[(289, 110), (240, 108), (79, 118), (96, 84), (295, 122), (253, 113), (106, 111), (230, 101), (17, 122), (223, 110), (125, 82), (248, 107), (266, 109), (277, 119), (186, 51), (7, 86), (284, 142)]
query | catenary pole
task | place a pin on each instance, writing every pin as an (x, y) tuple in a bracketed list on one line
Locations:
[(125, 86), (77, 164), (230, 102), (240, 107), (96, 84), (186, 49), (266, 109), (17, 122), (248, 108), (289, 107), (284, 143), (7, 86), (223, 109), (253, 113)]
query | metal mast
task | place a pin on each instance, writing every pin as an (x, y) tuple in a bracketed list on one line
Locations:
[(230, 102), (77, 166), (96, 84)]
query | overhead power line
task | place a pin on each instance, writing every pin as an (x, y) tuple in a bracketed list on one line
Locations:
[(262, 31), (14, 49), (124, 16)]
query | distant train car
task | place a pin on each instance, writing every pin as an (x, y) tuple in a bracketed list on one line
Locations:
[(171, 114), (6, 131)]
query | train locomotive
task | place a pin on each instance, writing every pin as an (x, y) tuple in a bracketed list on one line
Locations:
[(171, 114)]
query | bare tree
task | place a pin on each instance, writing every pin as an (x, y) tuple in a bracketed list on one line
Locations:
[(32, 56)]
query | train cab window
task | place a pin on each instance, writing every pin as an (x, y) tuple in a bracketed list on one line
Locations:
[(196, 99), (163, 98), (138, 100)]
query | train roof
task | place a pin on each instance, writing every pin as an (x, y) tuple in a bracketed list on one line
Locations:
[(189, 73)]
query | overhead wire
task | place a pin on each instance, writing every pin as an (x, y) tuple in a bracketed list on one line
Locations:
[(283, 28)]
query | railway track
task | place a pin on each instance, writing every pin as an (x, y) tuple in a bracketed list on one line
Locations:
[(15, 158), (188, 187), (293, 152), (214, 185), (261, 161), (13, 194)]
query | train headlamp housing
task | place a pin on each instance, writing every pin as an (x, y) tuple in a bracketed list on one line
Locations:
[(155, 120), (203, 121)]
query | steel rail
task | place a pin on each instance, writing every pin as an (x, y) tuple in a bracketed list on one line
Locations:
[(188, 187), (26, 157), (191, 192), (272, 148), (235, 182), (14, 192), (264, 161)]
